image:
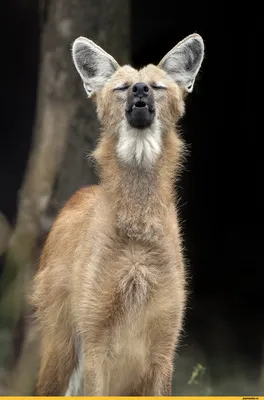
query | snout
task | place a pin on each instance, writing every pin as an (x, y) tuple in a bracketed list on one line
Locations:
[(140, 108)]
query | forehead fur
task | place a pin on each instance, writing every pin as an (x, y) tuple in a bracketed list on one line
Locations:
[(148, 74)]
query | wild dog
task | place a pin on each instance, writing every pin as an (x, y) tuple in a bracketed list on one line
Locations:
[(110, 292)]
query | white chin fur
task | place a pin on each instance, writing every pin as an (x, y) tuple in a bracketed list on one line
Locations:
[(140, 146)]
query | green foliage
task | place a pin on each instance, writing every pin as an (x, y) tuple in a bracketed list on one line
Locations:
[(197, 379)]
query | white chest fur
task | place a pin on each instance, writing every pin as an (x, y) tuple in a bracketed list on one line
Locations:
[(142, 146)]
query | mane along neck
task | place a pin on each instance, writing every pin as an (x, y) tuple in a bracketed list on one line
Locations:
[(140, 196)]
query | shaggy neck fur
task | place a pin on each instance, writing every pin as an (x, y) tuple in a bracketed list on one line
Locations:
[(140, 196)]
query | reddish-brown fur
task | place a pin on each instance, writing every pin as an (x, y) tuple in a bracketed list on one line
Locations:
[(111, 280)]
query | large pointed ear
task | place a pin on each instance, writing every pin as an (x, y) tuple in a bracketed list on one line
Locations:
[(183, 62), (94, 65)]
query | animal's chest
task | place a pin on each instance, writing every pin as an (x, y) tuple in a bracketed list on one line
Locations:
[(142, 274)]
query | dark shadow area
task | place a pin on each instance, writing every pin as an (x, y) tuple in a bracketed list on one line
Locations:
[(20, 47)]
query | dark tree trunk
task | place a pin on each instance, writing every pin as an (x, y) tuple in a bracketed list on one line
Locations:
[(107, 23)]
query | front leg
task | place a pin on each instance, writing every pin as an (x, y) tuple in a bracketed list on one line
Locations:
[(57, 362), (157, 380), (96, 374)]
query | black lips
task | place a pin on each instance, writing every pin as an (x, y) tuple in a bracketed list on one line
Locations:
[(140, 112)]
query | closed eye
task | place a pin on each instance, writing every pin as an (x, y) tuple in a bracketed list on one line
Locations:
[(158, 85), (122, 87)]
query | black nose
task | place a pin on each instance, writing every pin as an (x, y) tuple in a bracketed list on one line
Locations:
[(140, 89)]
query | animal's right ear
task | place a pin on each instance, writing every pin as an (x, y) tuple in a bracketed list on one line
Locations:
[(94, 65)]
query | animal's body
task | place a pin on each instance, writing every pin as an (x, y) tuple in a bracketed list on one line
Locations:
[(110, 292)]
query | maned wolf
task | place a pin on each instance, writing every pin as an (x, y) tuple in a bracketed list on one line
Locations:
[(110, 292)]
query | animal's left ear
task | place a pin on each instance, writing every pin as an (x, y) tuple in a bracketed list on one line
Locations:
[(183, 62)]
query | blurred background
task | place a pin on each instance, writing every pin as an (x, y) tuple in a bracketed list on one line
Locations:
[(48, 127)]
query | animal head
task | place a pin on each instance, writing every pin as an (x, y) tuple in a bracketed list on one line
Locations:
[(139, 106)]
